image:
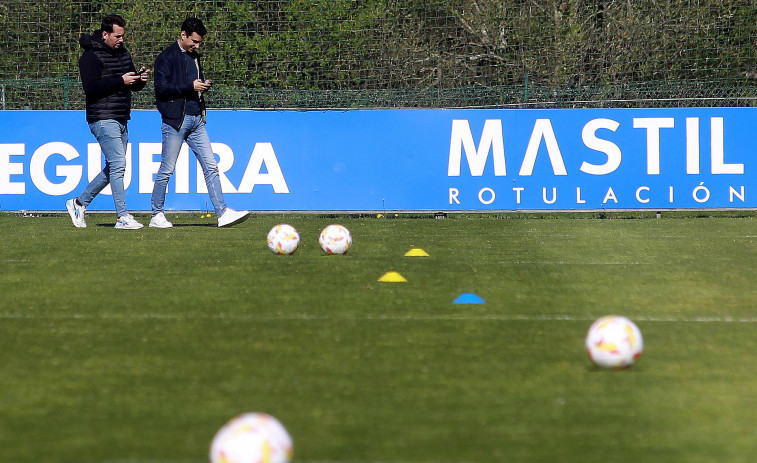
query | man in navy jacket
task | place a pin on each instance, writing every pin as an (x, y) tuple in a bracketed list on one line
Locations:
[(108, 77), (179, 85)]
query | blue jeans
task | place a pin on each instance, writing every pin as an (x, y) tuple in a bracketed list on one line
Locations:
[(192, 131), (113, 138)]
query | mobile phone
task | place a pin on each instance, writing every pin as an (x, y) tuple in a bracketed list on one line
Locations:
[(140, 72)]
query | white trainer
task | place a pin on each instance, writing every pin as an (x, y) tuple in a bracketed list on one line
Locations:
[(77, 213), (127, 222), (159, 221), (231, 217)]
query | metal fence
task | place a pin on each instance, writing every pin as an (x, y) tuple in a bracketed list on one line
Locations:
[(382, 53)]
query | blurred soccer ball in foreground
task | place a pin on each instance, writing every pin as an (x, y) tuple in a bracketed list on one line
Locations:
[(252, 438), (614, 342), (335, 239), (283, 239)]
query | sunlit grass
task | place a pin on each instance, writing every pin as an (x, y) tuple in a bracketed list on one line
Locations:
[(136, 346)]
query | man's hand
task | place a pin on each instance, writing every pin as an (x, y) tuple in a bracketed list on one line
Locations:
[(201, 86), (131, 77), (143, 73)]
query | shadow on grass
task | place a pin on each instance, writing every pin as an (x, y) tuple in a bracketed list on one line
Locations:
[(176, 225), (626, 370), (195, 225)]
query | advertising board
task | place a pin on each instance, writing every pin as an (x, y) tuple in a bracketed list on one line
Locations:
[(405, 159)]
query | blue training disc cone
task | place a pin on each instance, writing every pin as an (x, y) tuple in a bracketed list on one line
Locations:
[(469, 298)]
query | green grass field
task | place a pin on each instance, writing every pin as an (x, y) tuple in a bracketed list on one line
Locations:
[(136, 346)]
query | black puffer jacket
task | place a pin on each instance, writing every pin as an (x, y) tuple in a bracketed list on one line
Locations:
[(101, 69)]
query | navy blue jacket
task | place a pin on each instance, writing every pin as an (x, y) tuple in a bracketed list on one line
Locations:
[(172, 86), (101, 69)]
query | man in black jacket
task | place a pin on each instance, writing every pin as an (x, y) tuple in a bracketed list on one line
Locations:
[(108, 77), (179, 85)]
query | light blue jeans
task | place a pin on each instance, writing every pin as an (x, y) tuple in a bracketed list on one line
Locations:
[(113, 137), (192, 131)]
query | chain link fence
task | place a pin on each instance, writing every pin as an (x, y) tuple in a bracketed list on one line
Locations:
[(316, 54)]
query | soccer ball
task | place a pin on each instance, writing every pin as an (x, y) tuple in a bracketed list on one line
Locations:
[(335, 239), (283, 239), (252, 438), (614, 342)]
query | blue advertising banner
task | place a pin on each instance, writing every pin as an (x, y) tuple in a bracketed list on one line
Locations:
[(420, 160)]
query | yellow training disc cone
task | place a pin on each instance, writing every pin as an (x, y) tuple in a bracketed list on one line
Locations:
[(392, 277), (416, 252)]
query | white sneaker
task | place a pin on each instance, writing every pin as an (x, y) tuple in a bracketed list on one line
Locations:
[(159, 221), (77, 213), (231, 217), (127, 222)]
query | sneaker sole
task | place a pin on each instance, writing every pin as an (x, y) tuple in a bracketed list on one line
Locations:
[(236, 222), (160, 226), (127, 227)]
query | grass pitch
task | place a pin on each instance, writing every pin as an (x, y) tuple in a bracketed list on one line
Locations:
[(136, 346)]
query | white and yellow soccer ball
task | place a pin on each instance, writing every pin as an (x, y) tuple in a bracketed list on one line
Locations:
[(283, 239), (252, 438), (614, 342), (335, 239)]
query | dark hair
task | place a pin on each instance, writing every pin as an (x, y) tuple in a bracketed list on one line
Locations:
[(112, 20), (192, 25)]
